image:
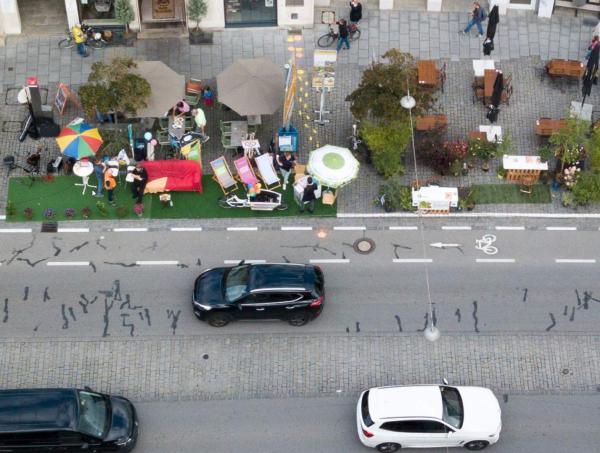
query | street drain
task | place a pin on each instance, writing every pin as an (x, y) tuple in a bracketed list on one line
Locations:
[(364, 246), (565, 371), (205, 356)]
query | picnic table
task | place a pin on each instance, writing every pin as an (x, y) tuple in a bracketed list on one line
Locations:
[(479, 66), (177, 127), (565, 68), (428, 73), (431, 122), (545, 127), (489, 78)]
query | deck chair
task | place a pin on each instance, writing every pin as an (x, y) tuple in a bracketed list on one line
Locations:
[(266, 171), (193, 86), (245, 174), (222, 175)]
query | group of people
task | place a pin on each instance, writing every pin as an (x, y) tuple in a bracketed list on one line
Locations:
[(344, 28), (286, 162), (106, 177)]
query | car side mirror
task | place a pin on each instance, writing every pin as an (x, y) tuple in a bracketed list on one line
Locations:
[(445, 381)]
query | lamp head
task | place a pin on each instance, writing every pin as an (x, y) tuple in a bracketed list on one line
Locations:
[(408, 102)]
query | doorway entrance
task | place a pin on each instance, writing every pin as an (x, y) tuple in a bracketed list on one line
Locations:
[(43, 17), (250, 13)]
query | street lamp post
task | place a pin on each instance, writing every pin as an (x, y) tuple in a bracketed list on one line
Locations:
[(431, 332)]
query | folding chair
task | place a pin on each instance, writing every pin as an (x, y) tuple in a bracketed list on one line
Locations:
[(225, 126), (192, 99), (222, 175), (266, 171), (193, 86), (527, 183), (245, 174), (163, 123)]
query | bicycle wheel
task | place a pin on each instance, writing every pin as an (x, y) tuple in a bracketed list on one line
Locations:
[(354, 36), (326, 40), (66, 43), (96, 44)]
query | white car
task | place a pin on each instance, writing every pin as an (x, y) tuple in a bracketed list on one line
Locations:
[(428, 416)]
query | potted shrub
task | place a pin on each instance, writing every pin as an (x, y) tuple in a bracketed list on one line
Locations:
[(138, 209), (10, 209), (483, 151), (501, 173), (466, 199), (69, 213), (567, 200), (395, 196), (124, 14), (86, 212), (28, 213), (102, 208), (196, 11), (49, 213)]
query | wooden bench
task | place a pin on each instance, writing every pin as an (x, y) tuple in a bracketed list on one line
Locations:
[(431, 122), (545, 127), (565, 68), (587, 7), (428, 73)]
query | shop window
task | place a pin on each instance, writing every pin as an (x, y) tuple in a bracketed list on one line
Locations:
[(248, 13), (96, 9), (294, 2)]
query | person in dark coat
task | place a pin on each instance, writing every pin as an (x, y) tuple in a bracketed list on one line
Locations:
[(477, 17), (343, 35), (355, 11), (140, 178), (308, 196)]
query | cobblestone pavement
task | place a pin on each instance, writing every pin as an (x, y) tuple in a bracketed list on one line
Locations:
[(426, 35), (274, 366)]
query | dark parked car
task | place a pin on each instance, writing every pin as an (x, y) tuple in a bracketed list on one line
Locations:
[(291, 292), (66, 420)]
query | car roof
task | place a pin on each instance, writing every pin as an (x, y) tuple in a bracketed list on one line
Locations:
[(38, 409), (281, 276), (405, 402)]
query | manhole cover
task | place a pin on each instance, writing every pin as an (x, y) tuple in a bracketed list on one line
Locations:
[(364, 246), (565, 371)]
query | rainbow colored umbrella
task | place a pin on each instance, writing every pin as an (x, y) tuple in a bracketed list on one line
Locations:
[(79, 140)]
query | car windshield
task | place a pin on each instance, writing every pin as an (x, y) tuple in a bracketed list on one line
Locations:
[(236, 282), (453, 408), (93, 414)]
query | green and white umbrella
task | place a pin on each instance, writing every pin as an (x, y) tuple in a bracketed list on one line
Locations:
[(333, 166)]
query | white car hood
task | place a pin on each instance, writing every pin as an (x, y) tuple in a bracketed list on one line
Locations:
[(482, 411)]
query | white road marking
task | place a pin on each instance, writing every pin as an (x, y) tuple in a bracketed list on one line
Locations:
[(156, 263), (73, 230), (511, 228), (242, 228), (129, 230), (574, 261), (15, 230), (2, 217), (412, 260), (186, 229), (350, 228), (296, 228), (561, 228), (450, 227), (392, 228), (68, 263), (245, 261), (485, 244), (329, 261), (495, 260)]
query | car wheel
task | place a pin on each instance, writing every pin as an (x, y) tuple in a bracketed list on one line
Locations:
[(298, 318), (218, 319), (388, 447), (476, 444)]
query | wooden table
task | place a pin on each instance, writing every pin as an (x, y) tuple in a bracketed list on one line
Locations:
[(545, 127), (239, 132), (519, 166), (489, 77), (428, 73), (431, 122), (565, 68), (478, 135)]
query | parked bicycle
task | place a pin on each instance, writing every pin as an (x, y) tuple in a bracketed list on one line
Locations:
[(94, 39), (331, 36)]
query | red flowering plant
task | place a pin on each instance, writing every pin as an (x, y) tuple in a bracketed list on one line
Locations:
[(443, 156)]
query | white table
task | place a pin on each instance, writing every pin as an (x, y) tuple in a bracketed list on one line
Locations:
[(251, 147), (493, 133), (585, 112), (479, 66), (523, 163), (83, 168), (438, 198)]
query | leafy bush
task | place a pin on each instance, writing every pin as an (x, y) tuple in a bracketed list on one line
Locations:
[(443, 157), (28, 213), (482, 150), (102, 208), (566, 199), (69, 213), (86, 212), (49, 213), (396, 195), (10, 208), (587, 188), (387, 144), (593, 148)]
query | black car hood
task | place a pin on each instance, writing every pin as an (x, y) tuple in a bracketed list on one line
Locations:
[(122, 419), (209, 287)]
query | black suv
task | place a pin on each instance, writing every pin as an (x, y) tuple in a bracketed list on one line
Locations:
[(292, 292)]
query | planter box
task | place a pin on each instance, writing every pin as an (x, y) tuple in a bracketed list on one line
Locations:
[(201, 38), (123, 40)]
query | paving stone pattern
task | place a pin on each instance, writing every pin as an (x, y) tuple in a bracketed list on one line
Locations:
[(275, 366), (523, 43)]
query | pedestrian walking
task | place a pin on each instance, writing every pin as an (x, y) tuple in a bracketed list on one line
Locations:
[(286, 162), (478, 15), (343, 34), (80, 38), (355, 11), (99, 172), (308, 196), (110, 183), (200, 121), (591, 47), (140, 178)]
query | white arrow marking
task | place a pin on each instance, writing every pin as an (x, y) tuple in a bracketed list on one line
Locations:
[(441, 245)]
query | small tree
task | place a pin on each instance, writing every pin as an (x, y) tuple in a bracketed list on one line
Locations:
[(387, 144), (196, 10), (124, 13), (568, 142)]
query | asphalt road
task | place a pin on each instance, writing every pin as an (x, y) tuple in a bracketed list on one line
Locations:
[(146, 278), (531, 424)]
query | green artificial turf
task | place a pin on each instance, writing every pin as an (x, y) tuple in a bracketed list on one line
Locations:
[(61, 193), (509, 194)]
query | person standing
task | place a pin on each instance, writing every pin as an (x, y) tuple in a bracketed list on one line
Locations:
[(355, 11), (109, 184), (140, 178), (99, 172), (477, 17), (343, 34), (200, 121), (308, 196), (80, 39), (286, 162), (208, 97), (591, 47)]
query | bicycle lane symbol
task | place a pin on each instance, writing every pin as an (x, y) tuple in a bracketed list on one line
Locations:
[(485, 244)]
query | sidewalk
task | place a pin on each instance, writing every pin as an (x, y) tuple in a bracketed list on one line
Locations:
[(523, 43)]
